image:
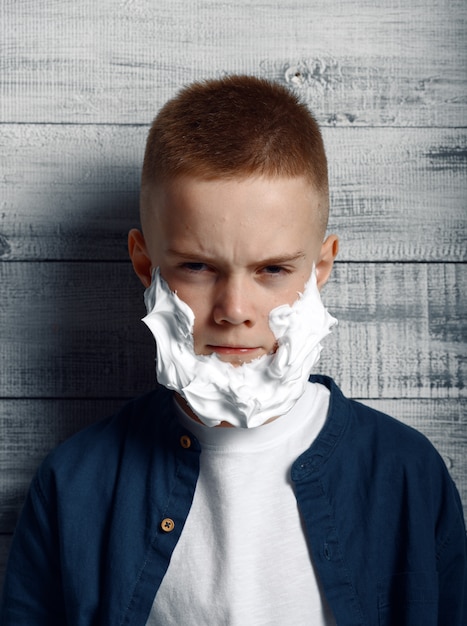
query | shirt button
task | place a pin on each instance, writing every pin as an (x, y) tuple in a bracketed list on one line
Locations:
[(185, 441), (167, 525)]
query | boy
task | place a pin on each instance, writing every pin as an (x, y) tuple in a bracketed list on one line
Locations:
[(252, 494)]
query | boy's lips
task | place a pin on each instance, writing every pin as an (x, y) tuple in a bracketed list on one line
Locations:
[(234, 350)]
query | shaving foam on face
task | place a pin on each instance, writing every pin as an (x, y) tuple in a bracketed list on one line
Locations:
[(249, 394)]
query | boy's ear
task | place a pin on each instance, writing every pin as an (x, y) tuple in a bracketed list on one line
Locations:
[(328, 253), (139, 256)]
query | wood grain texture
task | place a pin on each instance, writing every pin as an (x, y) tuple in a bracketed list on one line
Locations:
[(34, 427), (71, 192), (364, 63), (402, 330), (73, 330)]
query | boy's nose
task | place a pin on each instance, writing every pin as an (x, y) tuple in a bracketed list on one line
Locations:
[(233, 304)]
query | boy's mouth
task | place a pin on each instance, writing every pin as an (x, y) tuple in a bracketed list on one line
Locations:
[(245, 350), (236, 354)]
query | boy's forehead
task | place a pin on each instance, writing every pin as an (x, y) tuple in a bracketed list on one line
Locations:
[(234, 221), (265, 196)]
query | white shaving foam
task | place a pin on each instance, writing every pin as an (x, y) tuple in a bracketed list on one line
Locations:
[(250, 394)]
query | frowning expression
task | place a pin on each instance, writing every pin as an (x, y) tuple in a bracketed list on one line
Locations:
[(234, 249)]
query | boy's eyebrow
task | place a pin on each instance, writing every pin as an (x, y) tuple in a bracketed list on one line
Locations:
[(283, 258), (274, 260)]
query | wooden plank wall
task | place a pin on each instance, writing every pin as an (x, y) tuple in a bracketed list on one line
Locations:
[(81, 81)]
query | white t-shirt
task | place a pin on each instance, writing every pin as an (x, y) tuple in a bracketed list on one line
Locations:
[(243, 557)]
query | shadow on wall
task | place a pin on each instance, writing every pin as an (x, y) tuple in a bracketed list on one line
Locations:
[(72, 304), (75, 348)]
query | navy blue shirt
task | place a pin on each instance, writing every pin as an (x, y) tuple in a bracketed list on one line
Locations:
[(106, 509)]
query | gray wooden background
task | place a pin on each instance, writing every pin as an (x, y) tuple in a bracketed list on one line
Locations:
[(80, 82)]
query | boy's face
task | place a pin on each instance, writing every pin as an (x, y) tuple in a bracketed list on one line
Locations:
[(233, 250)]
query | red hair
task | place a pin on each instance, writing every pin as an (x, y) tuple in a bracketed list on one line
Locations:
[(235, 127)]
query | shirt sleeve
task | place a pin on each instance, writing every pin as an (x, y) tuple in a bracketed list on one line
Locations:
[(33, 593), (452, 570)]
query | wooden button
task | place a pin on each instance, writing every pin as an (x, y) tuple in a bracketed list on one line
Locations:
[(167, 525), (185, 441)]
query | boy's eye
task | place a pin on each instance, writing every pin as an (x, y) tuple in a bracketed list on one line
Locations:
[(274, 269), (194, 267)]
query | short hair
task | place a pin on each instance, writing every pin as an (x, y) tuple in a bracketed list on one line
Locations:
[(234, 127)]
